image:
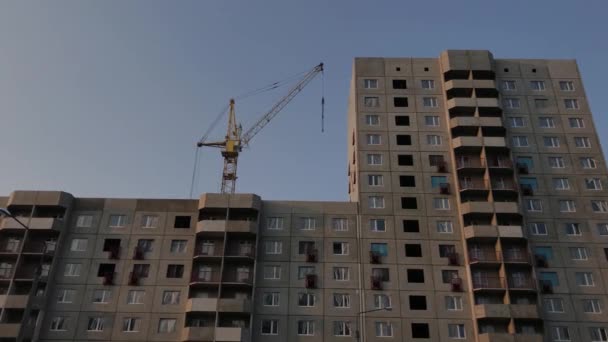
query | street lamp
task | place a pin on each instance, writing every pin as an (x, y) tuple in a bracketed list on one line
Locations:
[(357, 334)]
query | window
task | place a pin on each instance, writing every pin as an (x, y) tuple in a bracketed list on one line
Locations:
[(375, 202), (136, 297), (432, 121), (546, 122), (588, 163), (182, 222), (576, 123), (417, 302), (274, 223), (303, 271), (420, 330), (306, 299), (573, 229), (341, 300), (84, 221), (270, 327), (567, 206), (578, 253), (371, 101), (381, 273), (433, 140), (399, 84), (411, 226), (178, 246), (584, 279), (551, 142), (407, 181), (340, 248), (72, 270), (79, 245), (445, 227), (141, 270), (145, 245), (271, 298), (341, 273), (66, 296), (306, 328), (373, 139), (456, 331), (59, 323), (272, 272), (553, 305), (118, 221), (599, 206), (171, 297), (441, 203), (593, 184), (520, 141), (308, 223), (375, 180), (166, 325), (415, 276), (582, 142), (374, 159), (379, 248), (405, 160), (382, 301), (101, 296), (448, 275), (557, 162), (95, 324), (149, 221), (517, 121), (413, 250), (377, 225), (400, 101), (429, 102), (508, 85), (384, 329), (561, 184), (537, 85), (175, 271), (598, 334), (571, 103), (370, 83), (6, 269), (131, 324), (566, 85), (305, 247), (427, 84), (592, 306), (453, 303), (541, 103), (404, 139), (402, 120), (372, 120), (273, 247), (560, 334), (409, 203), (602, 228), (512, 103), (446, 251), (342, 328), (533, 204)]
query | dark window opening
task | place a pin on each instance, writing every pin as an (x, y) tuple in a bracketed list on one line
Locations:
[(105, 269), (506, 69), (182, 222), (415, 276), (404, 139), (413, 250), (175, 271), (402, 120), (381, 273), (533, 70), (141, 270), (405, 159), (446, 250), (400, 101), (398, 68), (409, 181), (409, 203), (420, 330), (436, 160), (110, 245), (411, 226), (399, 84), (426, 69), (417, 302)]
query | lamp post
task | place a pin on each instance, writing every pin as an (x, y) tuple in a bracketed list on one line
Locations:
[(357, 334)]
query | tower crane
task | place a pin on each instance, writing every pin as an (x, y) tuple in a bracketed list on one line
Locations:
[(235, 139)]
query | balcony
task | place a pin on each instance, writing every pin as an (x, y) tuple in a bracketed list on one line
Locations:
[(477, 186), (503, 186), (528, 338), (492, 311), (492, 283), (471, 164), (312, 255), (456, 284), (376, 283), (374, 257), (231, 226), (43, 223), (510, 232), (483, 256), (496, 337), (310, 282), (522, 284), (459, 88), (202, 304), (525, 311), (490, 122), (472, 144), (9, 330), (462, 106), (464, 122), (477, 207), (516, 256), (506, 207), (498, 164), (495, 142), (231, 334), (234, 305), (242, 252), (527, 189), (198, 333), (481, 231), (13, 301), (138, 253), (209, 277), (238, 278), (208, 251), (108, 278), (489, 107), (444, 188)]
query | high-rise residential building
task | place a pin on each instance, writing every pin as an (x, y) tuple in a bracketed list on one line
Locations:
[(477, 213)]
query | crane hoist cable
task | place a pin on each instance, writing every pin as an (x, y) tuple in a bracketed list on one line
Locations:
[(235, 139)]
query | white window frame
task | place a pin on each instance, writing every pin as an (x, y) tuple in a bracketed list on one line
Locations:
[(594, 304), (374, 225), (271, 299), (135, 297), (588, 163), (508, 85), (339, 224), (276, 272), (567, 206), (458, 329), (178, 246), (553, 305), (372, 119), (382, 301), (341, 298), (342, 328), (341, 273), (556, 162), (306, 328), (373, 139), (566, 85), (551, 142), (59, 323), (150, 221), (561, 184), (384, 329), (130, 324), (95, 324), (275, 223), (344, 248), (599, 206), (66, 296), (582, 142), (560, 334), (430, 102), (375, 180), (546, 122), (580, 122), (578, 253), (445, 227), (79, 245), (171, 297), (571, 104), (166, 325), (434, 140), (431, 121), (371, 101), (370, 83), (573, 229), (84, 221), (374, 159), (117, 221), (587, 277), (104, 298), (596, 184), (309, 223), (376, 202), (427, 84), (72, 270), (441, 203), (306, 300), (512, 103), (520, 141), (273, 247), (598, 334), (517, 122), (453, 303), (273, 325), (534, 205), (537, 85)]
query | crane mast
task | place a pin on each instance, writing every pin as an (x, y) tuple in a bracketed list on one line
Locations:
[(234, 140)]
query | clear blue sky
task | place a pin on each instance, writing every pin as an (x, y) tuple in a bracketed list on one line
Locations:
[(107, 98)]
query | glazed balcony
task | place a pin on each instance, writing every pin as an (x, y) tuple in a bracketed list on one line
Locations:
[(237, 278)]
